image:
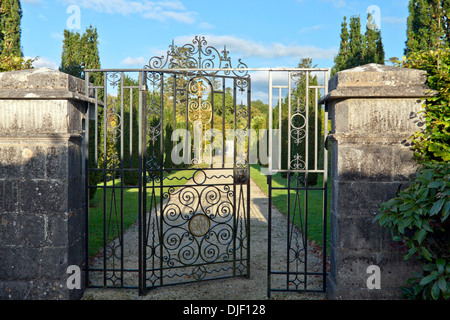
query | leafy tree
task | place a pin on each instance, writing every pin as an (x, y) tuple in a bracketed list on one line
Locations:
[(10, 16), (428, 25), (373, 46), (80, 52), (11, 57), (341, 60), (72, 54), (355, 43), (355, 48)]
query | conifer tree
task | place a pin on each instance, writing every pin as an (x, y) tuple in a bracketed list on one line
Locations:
[(356, 48), (428, 25), (355, 42), (340, 61), (373, 46), (10, 16)]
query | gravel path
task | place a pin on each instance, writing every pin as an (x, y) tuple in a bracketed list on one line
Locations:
[(240, 288)]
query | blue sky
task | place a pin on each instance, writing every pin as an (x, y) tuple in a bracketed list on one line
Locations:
[(262, 33)]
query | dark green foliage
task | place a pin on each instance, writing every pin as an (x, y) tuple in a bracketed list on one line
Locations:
[(130, 131), (419, 221), (432, 144), (80, 52), (428, 25), (357, 49), (10, 16), (418, 216), (168, 146)]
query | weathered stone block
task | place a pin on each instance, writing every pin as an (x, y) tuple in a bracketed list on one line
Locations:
[(374, 110), (41, 183), (39, 196)]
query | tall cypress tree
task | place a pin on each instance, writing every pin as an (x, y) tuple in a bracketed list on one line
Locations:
[(10, 32), (373, 46), (72, 54), (355, 42), (428, 25), (356, 48), (341, 60), (80, 52)]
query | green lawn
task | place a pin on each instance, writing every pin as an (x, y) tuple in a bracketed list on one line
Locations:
[(280, 201), (131, 204), (114, 218)]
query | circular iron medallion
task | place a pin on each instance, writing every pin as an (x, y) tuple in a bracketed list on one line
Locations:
[(199, 225)]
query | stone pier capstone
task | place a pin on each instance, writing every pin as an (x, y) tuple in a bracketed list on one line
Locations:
[(374, 109), (41, 183)]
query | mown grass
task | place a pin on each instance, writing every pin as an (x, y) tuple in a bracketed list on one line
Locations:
[(117, 219), (314, 206), (108, 208)]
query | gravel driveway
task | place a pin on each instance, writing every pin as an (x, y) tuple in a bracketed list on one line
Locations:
[(252, 288)]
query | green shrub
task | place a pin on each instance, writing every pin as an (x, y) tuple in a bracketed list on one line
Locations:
[(12, 63), (419, 221), (433, 143)]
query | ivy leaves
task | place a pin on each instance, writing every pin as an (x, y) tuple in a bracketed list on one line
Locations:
[(418, 218)]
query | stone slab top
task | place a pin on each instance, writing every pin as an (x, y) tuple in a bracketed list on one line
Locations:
[(376, 80), (41, 84)]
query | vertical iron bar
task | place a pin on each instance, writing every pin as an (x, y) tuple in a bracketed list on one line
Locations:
[(269, 236), (161, 173), (316, 111), (131, 128), (269, 182), (306, 175), (212, 124), (290, 122), (86, 184), (249, 102), (122, 156), (223, 123), (234, 178), (105, 123), (288, 240), (279, 128), (142, 193), (325, 185), (174, 101), (96, 128)]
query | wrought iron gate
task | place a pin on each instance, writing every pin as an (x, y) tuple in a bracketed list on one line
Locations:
[(163, 212), (297, 180)]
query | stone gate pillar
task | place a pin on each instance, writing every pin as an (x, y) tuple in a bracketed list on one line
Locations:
[(41, 183), (373, 109)]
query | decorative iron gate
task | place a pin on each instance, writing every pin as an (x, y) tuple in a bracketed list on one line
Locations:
[(184, 203), (298, 179)]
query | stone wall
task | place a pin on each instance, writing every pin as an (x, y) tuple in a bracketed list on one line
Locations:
[(41, 183), (374, 110)]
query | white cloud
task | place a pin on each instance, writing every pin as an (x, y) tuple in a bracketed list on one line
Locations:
[(206, 25), (313, 28), (394, 20), (161, 10), (35, 2), (337, 3), (248, 48), (139, 61), (43, 62), (57, 36)]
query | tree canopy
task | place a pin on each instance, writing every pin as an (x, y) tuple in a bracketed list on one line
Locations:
[(357, 49)]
